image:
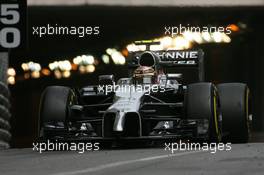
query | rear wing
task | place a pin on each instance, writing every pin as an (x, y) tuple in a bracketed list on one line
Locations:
[(175, 61)]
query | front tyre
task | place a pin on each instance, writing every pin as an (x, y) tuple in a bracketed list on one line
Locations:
[(202, 104), (235, 107), (54, 110)]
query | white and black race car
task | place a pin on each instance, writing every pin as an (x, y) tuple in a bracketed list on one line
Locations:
[(155, 103)]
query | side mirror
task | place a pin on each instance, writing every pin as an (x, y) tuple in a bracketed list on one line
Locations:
[(106, 79), (174, 76)]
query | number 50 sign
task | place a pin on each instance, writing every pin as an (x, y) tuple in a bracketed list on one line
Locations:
[(12, 24)]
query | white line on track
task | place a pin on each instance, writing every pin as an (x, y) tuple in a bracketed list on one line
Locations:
[(120, 163)]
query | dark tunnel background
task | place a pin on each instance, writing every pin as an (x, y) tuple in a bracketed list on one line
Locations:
[(241, 60)]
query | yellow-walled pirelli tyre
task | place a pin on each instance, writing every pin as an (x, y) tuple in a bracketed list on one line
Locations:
[(54, 107), (236, 111), (202, 103)]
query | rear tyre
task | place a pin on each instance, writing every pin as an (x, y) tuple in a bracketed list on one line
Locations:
[(54, 109), (235, 107), (202, 104)]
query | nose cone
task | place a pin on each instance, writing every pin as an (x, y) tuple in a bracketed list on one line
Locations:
[(119, 122)]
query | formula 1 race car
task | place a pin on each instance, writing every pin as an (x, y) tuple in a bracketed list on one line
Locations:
[(165, 97)]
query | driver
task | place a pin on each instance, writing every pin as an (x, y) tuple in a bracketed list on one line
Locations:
[(144, 75)]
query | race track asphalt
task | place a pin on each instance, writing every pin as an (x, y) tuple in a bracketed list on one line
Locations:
[(242, 159)]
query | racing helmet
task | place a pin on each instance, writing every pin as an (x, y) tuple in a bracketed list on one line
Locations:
[(144, 75)]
